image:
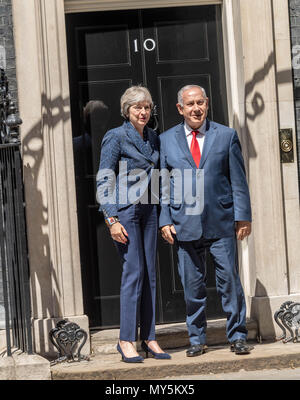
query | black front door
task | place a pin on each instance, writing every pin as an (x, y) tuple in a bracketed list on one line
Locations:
[(163, 49)]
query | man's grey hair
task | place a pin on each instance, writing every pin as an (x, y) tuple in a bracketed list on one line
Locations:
[(187, 87), (132, 96)]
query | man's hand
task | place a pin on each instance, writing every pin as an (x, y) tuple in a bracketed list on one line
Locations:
[(167, 231), (242, 229), (118, 233)]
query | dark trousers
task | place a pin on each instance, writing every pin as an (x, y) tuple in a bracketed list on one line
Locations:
[(192, 270), (138, 283)]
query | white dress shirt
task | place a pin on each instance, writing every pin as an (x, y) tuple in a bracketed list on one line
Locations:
[(200, 136)]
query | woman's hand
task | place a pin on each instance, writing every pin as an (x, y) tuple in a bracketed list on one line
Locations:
[(118, 233)]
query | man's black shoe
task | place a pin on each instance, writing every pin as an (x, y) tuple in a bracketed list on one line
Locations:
[(196, 350), (240, 346)]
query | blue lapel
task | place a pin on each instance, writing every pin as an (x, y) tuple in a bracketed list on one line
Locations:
[(210, 135), (136, 139), (153, 141), (183, 144)]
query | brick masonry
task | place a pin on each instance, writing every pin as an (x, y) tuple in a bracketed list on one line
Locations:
[(7, 50), (294, 8)]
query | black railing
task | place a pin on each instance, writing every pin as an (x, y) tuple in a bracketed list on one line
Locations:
[(13, 251), (13, 244)]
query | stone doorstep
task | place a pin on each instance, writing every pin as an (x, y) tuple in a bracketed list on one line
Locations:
[(217, 359), (169, 336), (22, 366), (107, 360)]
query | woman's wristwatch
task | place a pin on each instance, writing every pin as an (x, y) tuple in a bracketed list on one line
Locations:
[(111, 220)]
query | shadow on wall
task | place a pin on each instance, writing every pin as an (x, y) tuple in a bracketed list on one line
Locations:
[(261, 311), (45, 294), (254, 106)]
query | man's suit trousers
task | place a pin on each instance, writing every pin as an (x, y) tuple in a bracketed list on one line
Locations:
[(138, 283), (192, 270)]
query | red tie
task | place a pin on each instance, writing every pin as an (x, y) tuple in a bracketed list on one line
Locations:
[(195, 149)]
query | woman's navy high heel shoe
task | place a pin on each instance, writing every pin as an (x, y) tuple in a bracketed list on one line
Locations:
[(158, 356), (137, 359)]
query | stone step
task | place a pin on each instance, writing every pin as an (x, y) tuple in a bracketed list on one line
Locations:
[(217, 360), (169, 336)]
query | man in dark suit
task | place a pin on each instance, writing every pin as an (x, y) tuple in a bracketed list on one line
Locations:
[(210, 155)]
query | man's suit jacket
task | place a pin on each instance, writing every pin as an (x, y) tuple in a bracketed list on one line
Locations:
[(226, 193), (125, 144)]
